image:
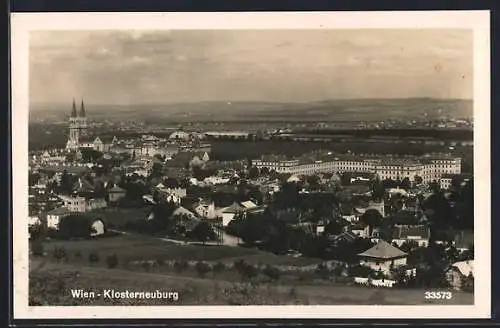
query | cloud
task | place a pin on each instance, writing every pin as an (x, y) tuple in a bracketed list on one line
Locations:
[(171, 66)]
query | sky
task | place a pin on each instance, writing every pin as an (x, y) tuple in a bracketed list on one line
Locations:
[(137, 67)]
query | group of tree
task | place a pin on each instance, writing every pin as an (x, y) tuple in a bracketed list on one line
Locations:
[(74, 226), (164, 222), (443, 215)]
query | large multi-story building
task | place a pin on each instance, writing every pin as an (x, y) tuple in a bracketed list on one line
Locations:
[(429, 167)]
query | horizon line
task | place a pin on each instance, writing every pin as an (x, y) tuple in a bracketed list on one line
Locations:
[(248, 101)]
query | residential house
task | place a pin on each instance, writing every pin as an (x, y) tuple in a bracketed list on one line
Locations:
[(407, 217), (183, 212), (420, 234), (349, 213), (383, 257), (457, 272), (230, 212), (361, 230), (81, 204), (379, 206), (346, 236), (381, 233), (205, 209), (104, 143), (115, 194), (33, 221), (293, 179), (55, 216)]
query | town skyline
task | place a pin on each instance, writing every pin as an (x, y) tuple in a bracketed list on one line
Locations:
[(162, 67)]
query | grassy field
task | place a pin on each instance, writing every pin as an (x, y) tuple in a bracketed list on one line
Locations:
[(50, 284), (135, 247)]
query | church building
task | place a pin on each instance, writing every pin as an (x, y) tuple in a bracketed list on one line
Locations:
[(78, 135)]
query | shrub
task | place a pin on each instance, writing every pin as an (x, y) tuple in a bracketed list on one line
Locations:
[(248, 271), (272, 272), (93, 258), (180, 266), (160, 261), (323, 271), (112, 261), (60, 253), (202, 268), (219, 267)]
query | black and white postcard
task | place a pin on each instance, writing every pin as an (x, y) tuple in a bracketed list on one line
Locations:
[(251, 165)]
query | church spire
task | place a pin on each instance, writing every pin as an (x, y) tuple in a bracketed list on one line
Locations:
[(73, 111), (82, 109)]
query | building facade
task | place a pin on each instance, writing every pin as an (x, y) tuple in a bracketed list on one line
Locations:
[(429, 168)]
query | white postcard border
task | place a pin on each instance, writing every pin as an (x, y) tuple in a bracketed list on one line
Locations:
[(478, 21)]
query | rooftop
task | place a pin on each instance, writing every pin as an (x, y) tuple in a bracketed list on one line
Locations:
[(383, 250)]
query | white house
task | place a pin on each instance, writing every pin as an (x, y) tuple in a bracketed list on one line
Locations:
[(230, 212), (33, 221), (383, 257), (361, 230), (54, 217), (206, 210), (458, 271), (420, 234)]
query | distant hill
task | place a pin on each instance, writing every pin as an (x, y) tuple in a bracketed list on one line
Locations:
[(329, 110)]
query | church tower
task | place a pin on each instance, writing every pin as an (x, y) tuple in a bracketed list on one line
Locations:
[(74, 127), (83, 120), (77, 126)]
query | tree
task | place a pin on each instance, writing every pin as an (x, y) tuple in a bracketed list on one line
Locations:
[(439, 211), (372, 217), (202, 268), (112, 261), (377, 189), (33, 178), (418, 179), (405, 183), (203, 232), (253, 173), (66, 183), (35, 231), (91, 155), (468, 283), (75, 226), (333, 228), (93, 258)]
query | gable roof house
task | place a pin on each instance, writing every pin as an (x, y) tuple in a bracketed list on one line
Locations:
[(420, 234), (457, 273), (361, 230)]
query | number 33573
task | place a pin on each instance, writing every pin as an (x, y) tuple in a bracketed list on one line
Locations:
[(438, 295)]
